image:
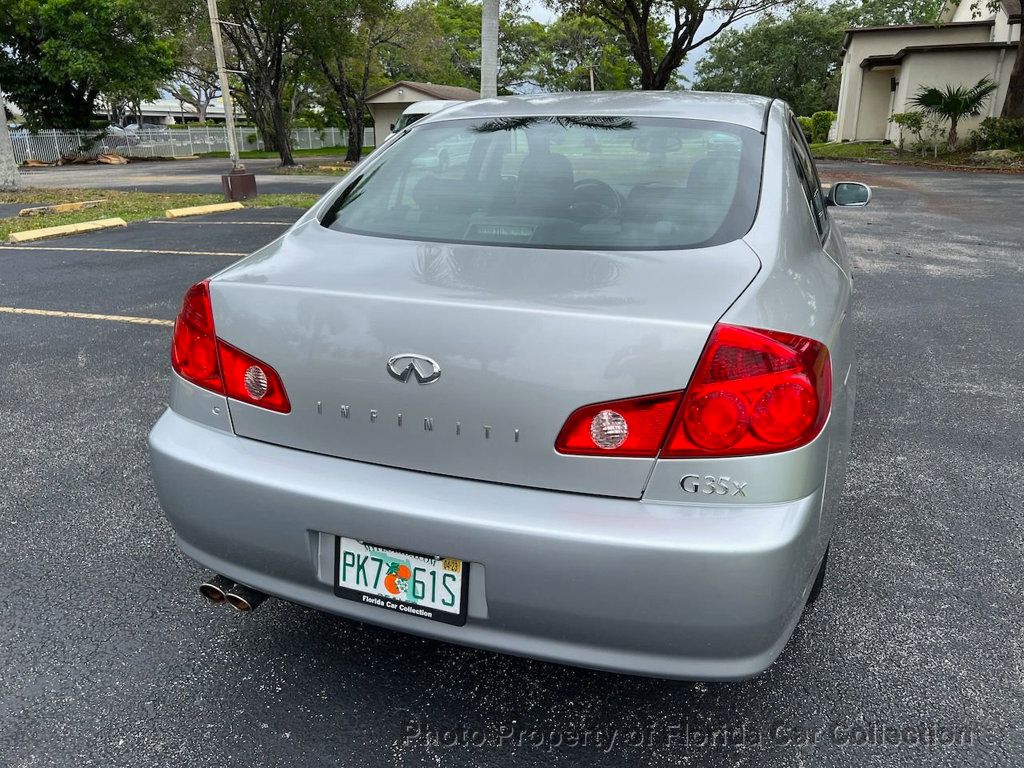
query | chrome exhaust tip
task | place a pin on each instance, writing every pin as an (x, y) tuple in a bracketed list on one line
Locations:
[(215, 588), (243, 599)]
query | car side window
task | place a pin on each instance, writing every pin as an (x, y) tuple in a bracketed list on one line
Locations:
[(809, 178)]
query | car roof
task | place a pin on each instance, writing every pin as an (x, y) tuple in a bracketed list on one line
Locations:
[(429, 106), (737, 109)]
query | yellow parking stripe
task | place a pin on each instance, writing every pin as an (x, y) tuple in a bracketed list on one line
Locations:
[(86, 316), (120, 250)]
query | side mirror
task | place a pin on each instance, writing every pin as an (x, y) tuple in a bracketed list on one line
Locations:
[(849, 194), (392, 127)]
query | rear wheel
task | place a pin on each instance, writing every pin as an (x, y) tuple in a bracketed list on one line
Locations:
[(819, 580)]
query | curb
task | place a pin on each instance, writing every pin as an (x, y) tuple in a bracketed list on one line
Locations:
[(65, 229), (59, 208), (197, 210)]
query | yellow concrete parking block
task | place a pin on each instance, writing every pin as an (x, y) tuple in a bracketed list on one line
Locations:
[(198, 210), (60, 208), (65, 229)]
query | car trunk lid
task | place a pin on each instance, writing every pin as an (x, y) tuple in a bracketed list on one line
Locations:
[(521, 336)]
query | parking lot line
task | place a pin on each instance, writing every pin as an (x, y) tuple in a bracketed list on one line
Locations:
[(161, 251), (86, 316)]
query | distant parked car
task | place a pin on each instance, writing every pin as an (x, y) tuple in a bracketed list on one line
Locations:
[(116, 136), (419, 110), (581, 392)]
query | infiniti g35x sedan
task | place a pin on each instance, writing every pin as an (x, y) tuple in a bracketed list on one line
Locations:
[(564, 376)]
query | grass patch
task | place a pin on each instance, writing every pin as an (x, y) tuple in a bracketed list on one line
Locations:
[(309, 170), (874, 151), (130, 206), (870, 150), (254, 154)]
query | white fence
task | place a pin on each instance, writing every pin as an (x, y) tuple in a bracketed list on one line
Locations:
[(49, 145)]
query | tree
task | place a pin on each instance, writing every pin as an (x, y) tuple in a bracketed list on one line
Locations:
[(196, 81), (1013, 104), (489, 48), (793, 58), (685, 20), (797, 57), (344, 40), (573, 47), (262, 34), (9, 180), (442, 45), (58, 56), (953, 103)]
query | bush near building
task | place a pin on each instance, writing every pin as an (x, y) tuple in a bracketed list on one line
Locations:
[(807, 124), (821, 124), (1000, 133)]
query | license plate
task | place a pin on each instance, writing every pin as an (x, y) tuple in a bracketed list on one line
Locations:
[(417, 585)]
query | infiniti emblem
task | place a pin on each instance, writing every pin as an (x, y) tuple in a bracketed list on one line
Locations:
[(425, 370)]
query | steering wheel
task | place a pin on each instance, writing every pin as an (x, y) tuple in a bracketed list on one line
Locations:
[(595, 198)]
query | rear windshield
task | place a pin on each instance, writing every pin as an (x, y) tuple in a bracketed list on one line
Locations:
[(408, 119), (559, 182)]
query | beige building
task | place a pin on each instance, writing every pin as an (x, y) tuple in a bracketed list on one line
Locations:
[(388, 104), (883, 67)]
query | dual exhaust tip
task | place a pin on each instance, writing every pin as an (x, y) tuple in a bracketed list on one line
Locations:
[(220, 589)]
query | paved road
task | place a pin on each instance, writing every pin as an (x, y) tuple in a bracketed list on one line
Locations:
[(201, 175), (109, 658)]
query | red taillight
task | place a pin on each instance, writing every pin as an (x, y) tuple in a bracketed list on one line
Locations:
[(632, 427), (753, 392), (252, 381), (198, 356), (194, 343)]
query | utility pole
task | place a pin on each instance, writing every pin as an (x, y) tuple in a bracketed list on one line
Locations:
[(591, 77), (238, 184), (489, 49), (9, 179)]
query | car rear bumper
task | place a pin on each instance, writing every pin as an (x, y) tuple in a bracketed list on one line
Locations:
[(677, 591)]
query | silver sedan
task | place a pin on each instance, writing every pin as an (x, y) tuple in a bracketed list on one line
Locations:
[(565, 376)]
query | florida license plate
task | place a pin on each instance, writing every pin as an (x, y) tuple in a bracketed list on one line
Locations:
[(417, 585)]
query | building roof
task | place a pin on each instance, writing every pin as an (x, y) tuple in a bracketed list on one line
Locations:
[(737, 109), (914, 27), (887, 60), (445, 92)]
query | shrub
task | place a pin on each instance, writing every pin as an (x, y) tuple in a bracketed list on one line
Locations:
[(999, 133), (821, 124), (807, 124), (908, 122)]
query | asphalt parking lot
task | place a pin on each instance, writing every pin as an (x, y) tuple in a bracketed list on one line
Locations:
[(110, 657)]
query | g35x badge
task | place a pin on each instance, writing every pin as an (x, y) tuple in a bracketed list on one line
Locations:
[(709, 484)]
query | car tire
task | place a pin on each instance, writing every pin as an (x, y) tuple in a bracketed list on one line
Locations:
[(819, 580)]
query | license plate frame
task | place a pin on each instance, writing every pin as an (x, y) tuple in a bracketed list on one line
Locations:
[(407, 608)]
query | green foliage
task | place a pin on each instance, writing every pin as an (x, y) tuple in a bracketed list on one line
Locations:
[(1000, 133), (572, 45), (440, 43), (58, 56), (821, 123), (660, 34), (908, 122), (807, 126), (953, 103), (796, 57)]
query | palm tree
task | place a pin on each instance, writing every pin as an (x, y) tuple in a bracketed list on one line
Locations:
[(8, 167), (953, 103), (489, 49)]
